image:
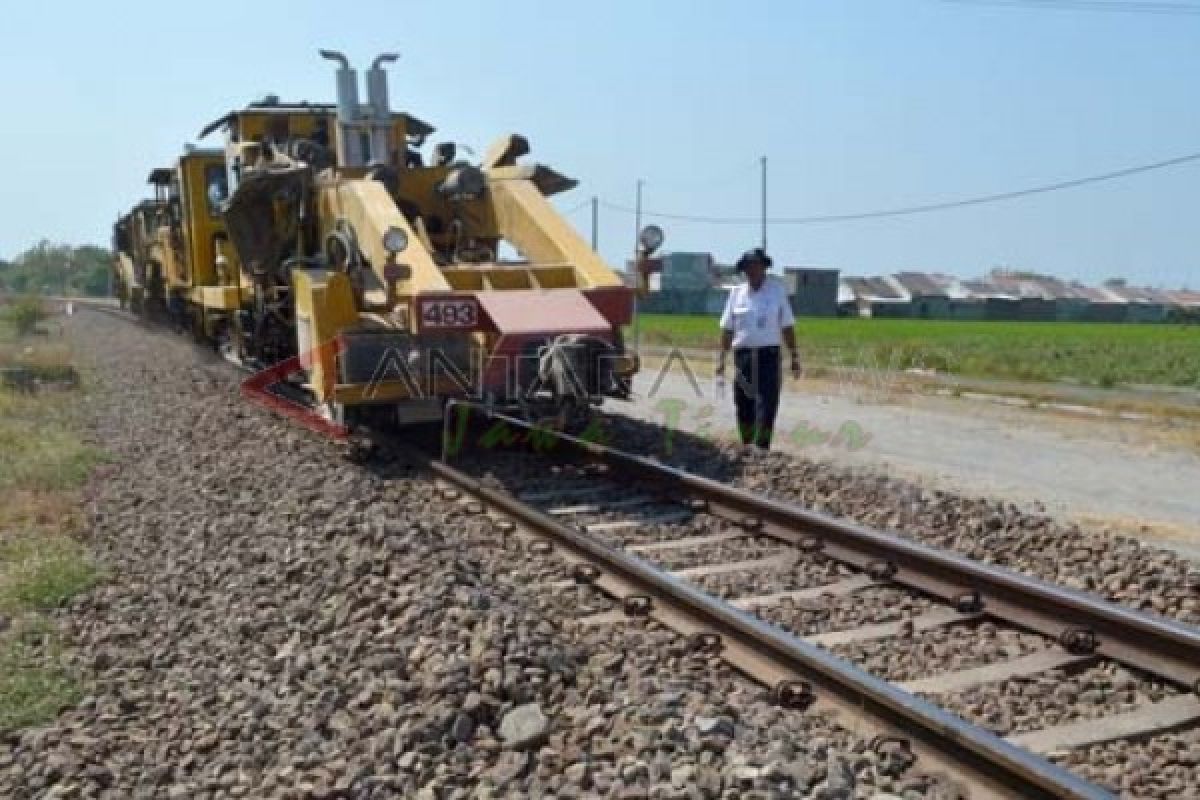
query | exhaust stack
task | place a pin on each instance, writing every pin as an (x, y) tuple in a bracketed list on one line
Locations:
[(380, 112), (364, 131)]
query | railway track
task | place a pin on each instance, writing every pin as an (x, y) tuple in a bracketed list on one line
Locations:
[(832, 616), (794, 599)]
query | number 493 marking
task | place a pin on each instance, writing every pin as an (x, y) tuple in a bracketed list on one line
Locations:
[(449, 314)]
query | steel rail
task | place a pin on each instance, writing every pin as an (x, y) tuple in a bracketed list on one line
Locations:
[(1080, 622), (991, 766)]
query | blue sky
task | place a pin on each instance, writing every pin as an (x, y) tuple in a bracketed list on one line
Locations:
[(858, 104)]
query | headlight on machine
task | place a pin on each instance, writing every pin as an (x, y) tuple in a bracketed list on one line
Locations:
[(395, 240), (626, 364)]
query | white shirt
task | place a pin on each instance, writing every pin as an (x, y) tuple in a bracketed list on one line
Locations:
[(757, 317)]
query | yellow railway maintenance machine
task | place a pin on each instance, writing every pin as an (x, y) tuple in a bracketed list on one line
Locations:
[(321, 234), (171, 251)]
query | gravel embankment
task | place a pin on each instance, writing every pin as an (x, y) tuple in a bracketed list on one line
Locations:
[(279, 622)]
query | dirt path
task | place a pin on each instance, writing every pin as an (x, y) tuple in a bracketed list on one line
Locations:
[(1130, 476)]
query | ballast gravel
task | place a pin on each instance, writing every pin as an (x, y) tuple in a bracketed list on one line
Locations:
[(278, 621)]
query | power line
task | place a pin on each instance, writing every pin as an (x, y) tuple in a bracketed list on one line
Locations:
[(576, 209), (1112, 6), (1117, 6), (919, 209), (707, 182)]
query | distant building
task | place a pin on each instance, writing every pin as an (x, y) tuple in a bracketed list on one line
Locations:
[(693, 283), (814, 290), (1183, 298), (929, 298), (1093, 304), (1144, 305), (982, 299), (688, 271), (1036, 302), (686, 284), (878, 297)]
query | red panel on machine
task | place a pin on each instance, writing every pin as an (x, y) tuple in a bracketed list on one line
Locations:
[(547, 311), (614, 302)]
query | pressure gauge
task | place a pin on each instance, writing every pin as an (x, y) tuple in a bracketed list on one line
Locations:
[(395, 240)]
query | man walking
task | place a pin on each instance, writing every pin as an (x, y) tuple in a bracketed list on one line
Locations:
[(757, 316)]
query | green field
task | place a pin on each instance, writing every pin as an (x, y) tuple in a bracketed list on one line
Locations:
[(1094, 354)]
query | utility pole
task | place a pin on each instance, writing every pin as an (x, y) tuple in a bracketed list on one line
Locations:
[(763, 163), (637, 234), (637, 218), (595, 223)]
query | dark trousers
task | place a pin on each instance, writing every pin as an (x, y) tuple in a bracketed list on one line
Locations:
[(756, 393)]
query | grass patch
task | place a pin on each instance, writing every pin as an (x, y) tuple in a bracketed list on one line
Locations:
[(24, 340), (23, 314), (47, 358), (40, 449), (39, 512), (34, 684), (39, 573), (1094, 354), (43, 462)]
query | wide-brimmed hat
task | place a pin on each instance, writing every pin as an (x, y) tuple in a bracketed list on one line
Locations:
[(757, 255)]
